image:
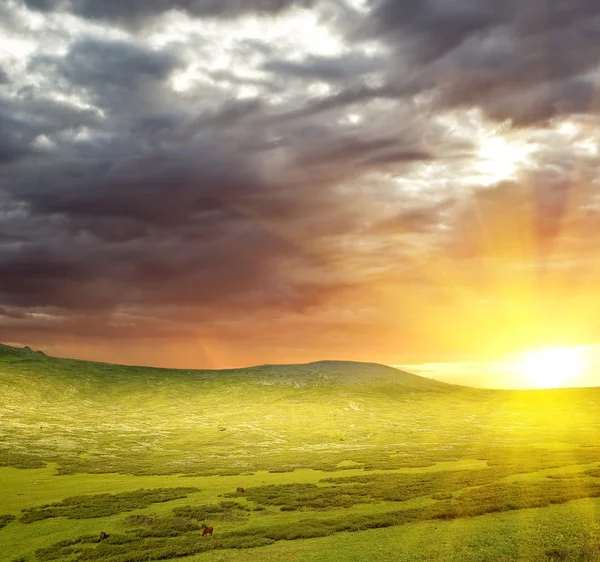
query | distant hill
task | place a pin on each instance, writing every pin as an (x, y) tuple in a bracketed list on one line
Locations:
[(317, 373), (95, 417), (350, 372), (9, 350)]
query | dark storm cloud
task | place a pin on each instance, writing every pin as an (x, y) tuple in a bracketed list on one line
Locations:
[(169, 226), (162, 227), (24, 118), (436, 27), (90, 62), (540, 103), (13, 145), (515, 59), (355, 152), (230, 112), (43, 5), (91, 325), (343, 99), (29, 275), (134, 12), (398, 156), (328, 69), (197, 265), (113, 74), (160, 188), (164, 204), (527, 79)]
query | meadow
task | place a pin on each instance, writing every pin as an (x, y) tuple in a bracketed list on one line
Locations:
[(339, 461)]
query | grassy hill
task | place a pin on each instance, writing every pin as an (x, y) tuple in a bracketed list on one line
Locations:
[(75, 412), (321, 449)]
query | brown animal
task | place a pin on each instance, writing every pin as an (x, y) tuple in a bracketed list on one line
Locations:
[(240, 490), (103, 536), (207, 530)]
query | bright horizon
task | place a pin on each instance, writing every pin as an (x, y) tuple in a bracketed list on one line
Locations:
[(554, 367), (545, 368)]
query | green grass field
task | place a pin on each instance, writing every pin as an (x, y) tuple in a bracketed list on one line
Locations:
[(339, 462)]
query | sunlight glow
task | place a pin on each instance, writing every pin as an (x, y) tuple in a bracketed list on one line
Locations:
[(553, 367), (500, 159)]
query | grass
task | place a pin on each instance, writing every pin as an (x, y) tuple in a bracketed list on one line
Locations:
[(5, 520), (329, 454), (224, 510), (533, 535), (103, 505), (165, 537)]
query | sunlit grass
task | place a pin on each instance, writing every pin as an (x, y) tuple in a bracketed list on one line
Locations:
[(329, 450)]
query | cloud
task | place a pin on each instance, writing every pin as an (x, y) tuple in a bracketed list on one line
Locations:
[(12, 145), (157, 187), (515, 60), (110, 74), (137, 12), (91, 62), (434, 28), (419, 218), (189, 167), (14, 313), (327, 69), (43, 5)]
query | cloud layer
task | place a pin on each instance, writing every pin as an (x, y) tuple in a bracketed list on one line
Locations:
[(307, 177)]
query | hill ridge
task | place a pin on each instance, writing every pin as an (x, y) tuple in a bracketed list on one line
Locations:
[(325, 370)]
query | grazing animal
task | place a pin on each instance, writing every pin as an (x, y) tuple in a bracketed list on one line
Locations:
[(240, 490), (103, 536), (207, 530)]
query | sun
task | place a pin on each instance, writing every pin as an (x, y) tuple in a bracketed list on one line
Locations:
[(552, 367)]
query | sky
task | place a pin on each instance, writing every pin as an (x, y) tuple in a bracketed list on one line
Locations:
[(220, 183), (542, 368)]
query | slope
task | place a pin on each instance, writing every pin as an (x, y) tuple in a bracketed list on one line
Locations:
[(97, 417)]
